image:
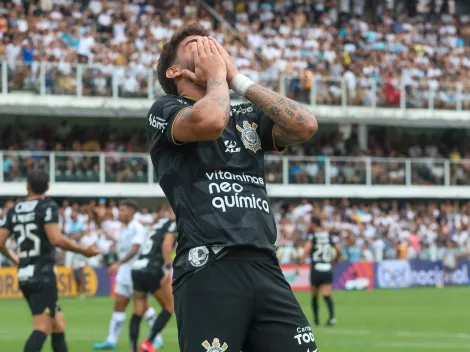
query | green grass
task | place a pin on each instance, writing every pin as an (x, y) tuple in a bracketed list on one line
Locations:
[(382, 320)]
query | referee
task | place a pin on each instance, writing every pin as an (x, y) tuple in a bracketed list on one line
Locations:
[(230, 293)]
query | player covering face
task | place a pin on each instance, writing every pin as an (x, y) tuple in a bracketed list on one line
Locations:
[(34, 223), (230, 293)]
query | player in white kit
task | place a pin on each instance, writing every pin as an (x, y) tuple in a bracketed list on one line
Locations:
[(131, 239)]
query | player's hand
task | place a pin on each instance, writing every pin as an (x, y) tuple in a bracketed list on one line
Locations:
[(15, 259), (166, 278), (209, 64), (92, 251), (232, 69), (113, 269)]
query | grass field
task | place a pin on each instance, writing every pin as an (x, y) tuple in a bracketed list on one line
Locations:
[(381, 320)]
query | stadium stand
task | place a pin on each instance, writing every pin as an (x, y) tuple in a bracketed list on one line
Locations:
[(310, 49), (399, 58), (367, 230)]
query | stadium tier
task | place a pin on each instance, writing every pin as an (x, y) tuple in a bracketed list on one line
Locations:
[(377, 199)]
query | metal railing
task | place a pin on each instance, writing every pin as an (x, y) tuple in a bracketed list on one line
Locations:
[(98, 80), (137, 168)]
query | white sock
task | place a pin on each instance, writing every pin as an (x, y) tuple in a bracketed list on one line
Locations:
[(115, 326), (150, 316)]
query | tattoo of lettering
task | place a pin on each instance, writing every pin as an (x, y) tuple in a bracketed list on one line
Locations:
[(281, 101), (292, 105), (275, 111), (300, 117), (289, 112)]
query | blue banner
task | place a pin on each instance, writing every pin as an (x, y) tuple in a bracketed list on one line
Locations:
[(416, 273)]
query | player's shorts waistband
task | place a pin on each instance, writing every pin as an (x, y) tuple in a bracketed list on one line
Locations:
[(248, 252)]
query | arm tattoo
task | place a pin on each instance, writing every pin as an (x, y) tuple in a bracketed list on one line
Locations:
[(219, 95), (290, 118), (289, 112)]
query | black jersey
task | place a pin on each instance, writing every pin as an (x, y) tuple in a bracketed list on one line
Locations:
[(26, 222), (151, 258), (216, 188), (323, 252)]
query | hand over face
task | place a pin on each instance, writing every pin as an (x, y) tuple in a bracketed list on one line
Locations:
[(232, 69), (209, 64)]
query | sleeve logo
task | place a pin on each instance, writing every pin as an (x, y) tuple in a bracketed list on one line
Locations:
[(249, 136), (157, 122), (215, 347)]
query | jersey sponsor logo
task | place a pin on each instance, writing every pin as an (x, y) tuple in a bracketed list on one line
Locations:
[(227, 194), (249, 136), (241, 110), (215, 346), (157, 122), (304, 335), (26, 207), (198, 256), (231, 147)]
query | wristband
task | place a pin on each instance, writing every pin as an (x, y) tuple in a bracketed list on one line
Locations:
[(240, 84), (167, 267)]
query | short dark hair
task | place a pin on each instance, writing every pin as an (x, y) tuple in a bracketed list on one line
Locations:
[(129, 203), (168, 54), (38, 181), (316, 221)]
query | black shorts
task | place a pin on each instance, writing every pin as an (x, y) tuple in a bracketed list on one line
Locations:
[(147, 281), (41, 297), (318, 278), (241, 302), (78, 274)]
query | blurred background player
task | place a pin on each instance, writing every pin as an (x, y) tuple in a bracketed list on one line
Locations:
[(74, 228), (34, 224), (450, 262), (151, 273), (131, 239), (324, 253)]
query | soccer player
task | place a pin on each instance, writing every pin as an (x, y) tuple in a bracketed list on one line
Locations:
[(151, 274), (228, 287), (131, 238), (324, 254), (34, 222)]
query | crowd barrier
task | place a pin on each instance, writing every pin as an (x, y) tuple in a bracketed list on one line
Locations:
[(347, 276)]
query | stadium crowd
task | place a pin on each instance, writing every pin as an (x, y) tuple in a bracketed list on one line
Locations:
[(366, 230), (23, 145), (304, 39)]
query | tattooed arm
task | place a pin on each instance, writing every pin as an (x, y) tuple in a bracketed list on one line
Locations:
[(293, 124), (205, 120)]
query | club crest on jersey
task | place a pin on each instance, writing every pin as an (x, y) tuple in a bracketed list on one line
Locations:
[(198, 256), (250, 138), (215, 347)]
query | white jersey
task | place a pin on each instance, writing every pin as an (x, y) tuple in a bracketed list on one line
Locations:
[(133, 233)]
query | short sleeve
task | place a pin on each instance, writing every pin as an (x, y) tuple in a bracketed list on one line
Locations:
[(171, 226), (310, 237), (139, 235), (161, 118), (266, 126), (51, 213)]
